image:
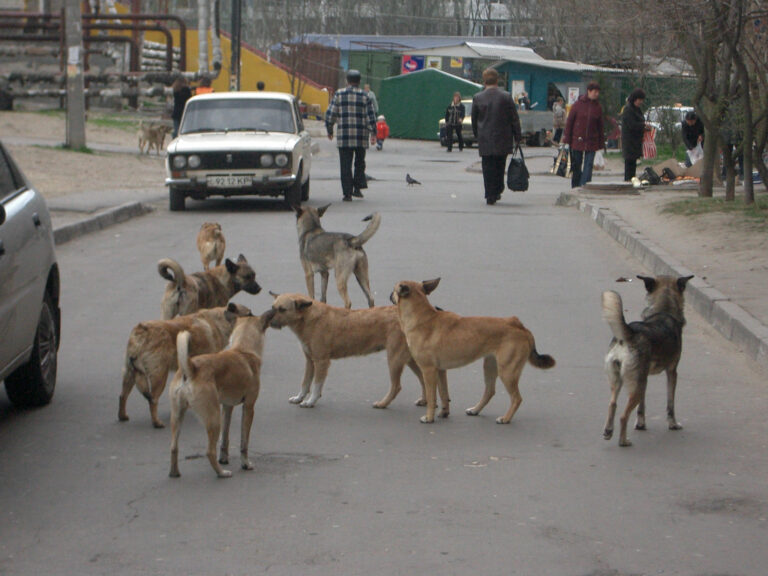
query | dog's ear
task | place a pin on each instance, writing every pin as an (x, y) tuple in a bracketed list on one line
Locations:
[(298, 209), (232, 307), (273, 294), (303, 304), (368, 218), (430, 285), (266, 317), (650, 283), (241, 259), (322, 209), (403, 290), (231, 266), (682, 281)]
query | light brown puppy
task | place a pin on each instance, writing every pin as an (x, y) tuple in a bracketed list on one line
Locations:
[(321, 251), (440, 341), (638, 349), (214, 383), (187, 294), (211, 244), (151, 351), (327, 333), (152, 135)]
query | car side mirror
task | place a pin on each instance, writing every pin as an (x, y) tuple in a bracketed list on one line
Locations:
[(2, 215)]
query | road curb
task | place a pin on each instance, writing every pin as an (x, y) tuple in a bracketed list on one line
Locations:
[(100, 221), (727, 317)]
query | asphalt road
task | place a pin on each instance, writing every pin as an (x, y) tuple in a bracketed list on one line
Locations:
[(345, 489)]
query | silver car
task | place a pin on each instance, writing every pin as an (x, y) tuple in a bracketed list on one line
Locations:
[(240, 143), (30, 317)]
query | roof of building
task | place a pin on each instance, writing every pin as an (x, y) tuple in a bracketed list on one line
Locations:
[(347, 42)]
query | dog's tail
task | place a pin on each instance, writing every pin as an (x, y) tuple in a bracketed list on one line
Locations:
[(613, 314), (182, 351), (367, 234), (171, 271), (543, 361)]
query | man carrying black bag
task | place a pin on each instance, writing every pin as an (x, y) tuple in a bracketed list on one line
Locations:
[(496, 126)]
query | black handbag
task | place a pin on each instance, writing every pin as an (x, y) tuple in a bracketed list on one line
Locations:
[(517, 173)]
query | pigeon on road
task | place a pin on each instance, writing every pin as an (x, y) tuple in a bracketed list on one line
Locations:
[(411, 181)]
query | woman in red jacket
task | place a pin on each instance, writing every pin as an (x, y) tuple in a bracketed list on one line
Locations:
[(584, 134)]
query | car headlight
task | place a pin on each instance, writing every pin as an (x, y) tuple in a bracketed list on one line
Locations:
[(179, 162), (281, 160), (266, 160), (194, 161)]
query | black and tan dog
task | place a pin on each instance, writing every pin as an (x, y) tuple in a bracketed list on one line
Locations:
[(151, 351), (440, 341), (321, 251), (214, 383), (187, 294), (211, 244), (638, 349), (327, 333)]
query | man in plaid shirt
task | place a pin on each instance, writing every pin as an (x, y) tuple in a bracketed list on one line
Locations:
[(352, 110)]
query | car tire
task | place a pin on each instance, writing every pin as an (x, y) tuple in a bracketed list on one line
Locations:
[(33, 383), (292, 195), (177, 200), (305, 191)]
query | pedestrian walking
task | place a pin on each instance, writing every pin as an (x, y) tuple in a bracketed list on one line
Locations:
[(181, 93), (496, 126), (372, 97), (352, 110), (584, 134), (382, 131), (633, 128), (558, 118), (454, 118)]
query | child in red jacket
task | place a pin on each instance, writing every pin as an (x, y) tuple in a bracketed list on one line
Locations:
[(382, 132)]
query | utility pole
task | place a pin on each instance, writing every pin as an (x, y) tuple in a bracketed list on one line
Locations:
[(234, 73), (73, 32)]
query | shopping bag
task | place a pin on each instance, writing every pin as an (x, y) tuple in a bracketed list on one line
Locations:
[(562, 163), (517, 173), (695, 154), (649, 143), (599, 163)]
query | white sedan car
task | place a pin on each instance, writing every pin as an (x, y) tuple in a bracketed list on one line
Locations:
[(237, 144)]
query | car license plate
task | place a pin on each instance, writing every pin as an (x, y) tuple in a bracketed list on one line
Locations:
[(229, 181)]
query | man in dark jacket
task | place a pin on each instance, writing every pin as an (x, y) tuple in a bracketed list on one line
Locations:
[(454, 118), (496, 127), (584, 134), (632, 129)]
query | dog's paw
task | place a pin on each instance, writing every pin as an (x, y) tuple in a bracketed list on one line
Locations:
[(310, 403), (158, 424), (625, 443), (380, 405), (421, 402), (607, 434), (224, 459), (174, 474), (224, 474), (502, 420), (444, 413), (426, 420), (246, 465), (640, 426), (471, 412), (296, 399), (675, 426)]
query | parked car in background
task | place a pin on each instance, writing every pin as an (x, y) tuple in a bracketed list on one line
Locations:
[(659, 116), (237, 144), (30, 317)]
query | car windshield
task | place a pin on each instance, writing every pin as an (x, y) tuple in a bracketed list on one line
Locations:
[(227, 115)]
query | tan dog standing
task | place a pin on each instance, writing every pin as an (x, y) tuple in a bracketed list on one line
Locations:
[(638, 349), (211, 244), (151, 351), (187, 294), (152, 135), (327, 333), (321, 251), (214, 383), (440, 341)]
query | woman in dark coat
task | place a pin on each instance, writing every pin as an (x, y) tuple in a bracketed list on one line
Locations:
[(181, 93), (632, 129)]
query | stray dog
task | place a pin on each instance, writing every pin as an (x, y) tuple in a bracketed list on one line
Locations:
[(214, 383), (187, 294), (152, 136), (638, 349), (211, 244), (151, 351), (440, 341), (327, 333), (321, 251)]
